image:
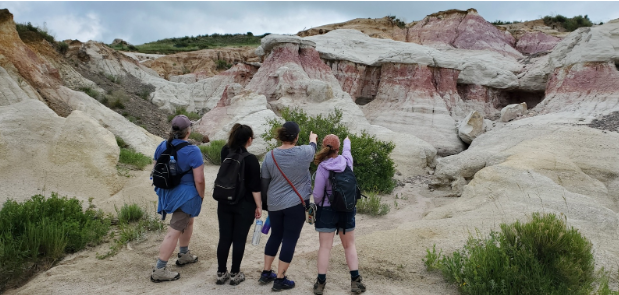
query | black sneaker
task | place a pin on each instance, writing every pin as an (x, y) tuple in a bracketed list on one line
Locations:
[(282, 284), (266, 278)]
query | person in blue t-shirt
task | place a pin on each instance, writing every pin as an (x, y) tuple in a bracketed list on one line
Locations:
[(184, 201)]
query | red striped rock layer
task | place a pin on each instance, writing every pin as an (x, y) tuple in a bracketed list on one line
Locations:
[(461, 29), (586, 89), (534, 42), (418, 100)]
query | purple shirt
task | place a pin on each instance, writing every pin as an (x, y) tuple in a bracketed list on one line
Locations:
[(337, 164)]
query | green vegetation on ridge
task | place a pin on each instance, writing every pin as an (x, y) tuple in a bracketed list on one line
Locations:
[(191, 43)]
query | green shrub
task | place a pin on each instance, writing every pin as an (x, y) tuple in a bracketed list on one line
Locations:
[(212, 151), (38, 232), (91, 92), (193, 116), (112, 78), (223, 65), (133, 158), (197, 136), (117, 103), (569, 24), (372, 205), (129, 213), (121, 143), (542, 256), (374, 168), (62, 47)]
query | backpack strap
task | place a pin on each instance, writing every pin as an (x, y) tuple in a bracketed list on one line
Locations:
[(289, 182), (175, 148)]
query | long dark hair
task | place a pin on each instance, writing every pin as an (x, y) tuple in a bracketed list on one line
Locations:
[(176, 133), (239, 135), (325, 153)]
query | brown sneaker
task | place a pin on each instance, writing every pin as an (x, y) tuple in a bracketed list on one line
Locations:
[(163, 274), (357, 286), (222, 277), (236, 278), (319, 288), (186, 258)]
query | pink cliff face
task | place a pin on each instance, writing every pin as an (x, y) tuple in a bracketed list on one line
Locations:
[(464, 31), (535, 42), (360, 81), (241, 73), (587, 87), (265, 81)]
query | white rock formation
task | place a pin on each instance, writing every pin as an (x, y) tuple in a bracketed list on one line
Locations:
[(512, 111), (41, 152), (471, 126)]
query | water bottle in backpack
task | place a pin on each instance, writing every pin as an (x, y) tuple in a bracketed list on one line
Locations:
[(172, 166), (257, 232)]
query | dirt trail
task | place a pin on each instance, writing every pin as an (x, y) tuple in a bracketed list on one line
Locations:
[(128, 272)]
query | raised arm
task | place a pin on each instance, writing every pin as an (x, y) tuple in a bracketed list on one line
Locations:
[(346, 152)]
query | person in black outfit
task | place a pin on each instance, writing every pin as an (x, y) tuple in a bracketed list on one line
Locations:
[(236, 220)]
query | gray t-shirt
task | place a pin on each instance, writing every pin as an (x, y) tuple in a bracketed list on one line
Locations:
[(295, 163)]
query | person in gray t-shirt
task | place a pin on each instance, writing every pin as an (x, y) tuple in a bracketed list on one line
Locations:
[(286, 211)]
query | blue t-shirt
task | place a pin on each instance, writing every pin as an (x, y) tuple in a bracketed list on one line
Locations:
[(184, 196)]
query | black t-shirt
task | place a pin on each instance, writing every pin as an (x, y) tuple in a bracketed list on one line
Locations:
[(252, 173)]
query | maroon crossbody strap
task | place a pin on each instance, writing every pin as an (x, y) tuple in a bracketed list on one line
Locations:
[(284, 175)]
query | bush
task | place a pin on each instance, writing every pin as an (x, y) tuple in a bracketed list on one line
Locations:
[(212, 151), (569, 24), (372, 205), (38, 232), (62, 47), (129, 213), (193, 116), (374, 168), (542, 256), (121, 143), (91, 92), (133, 158), (197, 136), (223, 65)]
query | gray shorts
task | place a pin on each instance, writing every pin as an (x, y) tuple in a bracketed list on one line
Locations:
[(180, 220)]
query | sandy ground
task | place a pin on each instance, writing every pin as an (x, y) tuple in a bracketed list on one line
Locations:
[(392, 268)]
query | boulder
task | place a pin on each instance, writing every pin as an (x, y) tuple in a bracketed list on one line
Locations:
[(512, 111), (119, 41), (41, 153), (471, 127)]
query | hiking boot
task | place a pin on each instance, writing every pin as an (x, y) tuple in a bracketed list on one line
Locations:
[(319, 287), (282, 284), (267, 278), (356, 286), (186, 258), (222, 277), (163, 274), (236, 278)]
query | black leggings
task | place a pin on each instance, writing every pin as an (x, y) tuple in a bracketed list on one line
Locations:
[(286, 228), (234, 224)]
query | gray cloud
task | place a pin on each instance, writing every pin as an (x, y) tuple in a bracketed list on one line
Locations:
[(140, 22)]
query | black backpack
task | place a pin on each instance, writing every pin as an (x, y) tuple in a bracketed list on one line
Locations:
[(161, 172), (344, 190), (230, 182)]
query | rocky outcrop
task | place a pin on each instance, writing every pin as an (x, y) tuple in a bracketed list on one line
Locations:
[(204, 63), (45, 79), (382, 28), (461, 29), (535, 42), (471, 127), (513, 111), (142, 57), (41, 152)]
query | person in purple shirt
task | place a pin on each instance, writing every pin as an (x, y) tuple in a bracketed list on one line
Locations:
[(329, 221)]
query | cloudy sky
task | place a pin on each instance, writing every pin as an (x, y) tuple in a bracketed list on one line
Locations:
[(141, 22)]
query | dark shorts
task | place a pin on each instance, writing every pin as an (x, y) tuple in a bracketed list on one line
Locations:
[(180, 220), (328, 220)]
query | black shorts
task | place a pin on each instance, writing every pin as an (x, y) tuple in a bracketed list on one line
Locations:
[(328, 220)]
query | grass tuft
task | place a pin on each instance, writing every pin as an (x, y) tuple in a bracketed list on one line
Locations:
[(130, 157), (129, 213), (212, 151), (372, 205), (193, 116)]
